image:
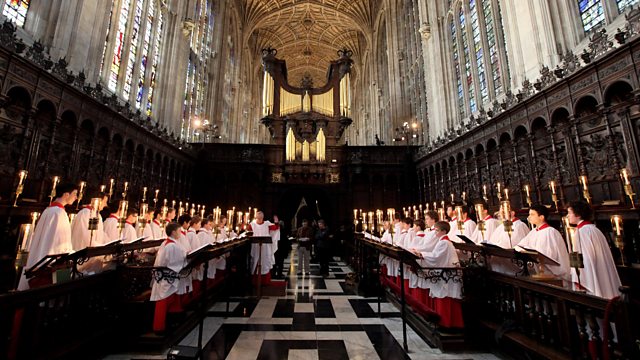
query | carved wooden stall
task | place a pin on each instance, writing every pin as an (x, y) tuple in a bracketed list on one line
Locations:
[(579, 119), (55, 124)]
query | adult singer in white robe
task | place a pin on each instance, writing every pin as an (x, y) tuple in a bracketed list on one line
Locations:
[(261, 227), (52, 234), (446, 296), (547, 241), (599, 275), (165, 293), (82, 237)]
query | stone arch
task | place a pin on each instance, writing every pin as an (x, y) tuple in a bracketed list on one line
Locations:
[(585, 106), (618, 92)]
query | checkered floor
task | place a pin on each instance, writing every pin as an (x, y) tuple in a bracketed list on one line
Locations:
[(319, 318)]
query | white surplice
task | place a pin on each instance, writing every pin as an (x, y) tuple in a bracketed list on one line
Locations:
[(52, 235), (266, 255), (490, 225), (129, 233), (443, 255), (206, 237), (172, 256), (80, 234), (184, 285), (468, 229), (111, 230), (599, 275), (548, 241)]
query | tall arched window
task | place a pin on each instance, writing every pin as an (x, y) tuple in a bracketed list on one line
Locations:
[(478, 52), (591, 13), (624, 4), (16, 11), (196, 83), (132, 50)]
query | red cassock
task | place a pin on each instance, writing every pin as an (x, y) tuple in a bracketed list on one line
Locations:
[(165, 293)]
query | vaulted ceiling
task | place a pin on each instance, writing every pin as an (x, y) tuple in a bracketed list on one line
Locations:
[(308, 33)]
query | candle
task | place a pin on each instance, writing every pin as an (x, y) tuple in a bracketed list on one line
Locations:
[(126, 186), (122, 209), (25, 229), (102, 188), (568, 229), (505, 206), (616, 222), (442, 204), (625, 176), (72, 217), (34, 218), (111, 183), (144, 193), (459, 213), (56, 180), (144, 208), (506, 194), (192, 212), (355, 214), (202, 212), (81, 191), (464, 196), (583, 181), (527, 191), (95, 207), (441, 214), (552, 186), (484, 191), (22, 176), (173, 203), (157, 192), (453, 199)]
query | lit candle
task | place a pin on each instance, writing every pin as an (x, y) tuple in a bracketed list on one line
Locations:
[(126, 186), (505, 206), (202, 212), (416, 214), (552, 186), (95, 207), (144, 208), (122, 209), (157, 192), (484, 191), (442, 204), (506, 194), (453, 198), (499, 186), (459, 213), (22, 176), (583, 181), (464, 196), (625, 176), (144, 193), (616, 221), (355, 214), (527, 191), (81, 191), (103, 188), (26, 234), (56, 180), (192, 212), (111, 183)]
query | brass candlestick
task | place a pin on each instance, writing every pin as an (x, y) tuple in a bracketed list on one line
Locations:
[(527, 191), (628, 189), (618, 232), (23, 176), (459, 216), (554, 195), (80, 193), (52, 195), (505, 211), (481, 228), (585, 188)]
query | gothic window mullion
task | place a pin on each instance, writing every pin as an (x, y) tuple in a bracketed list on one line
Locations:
[(486, 58), (135, 74), (461, 71), (126, 47), (501, 45), (472, 59)]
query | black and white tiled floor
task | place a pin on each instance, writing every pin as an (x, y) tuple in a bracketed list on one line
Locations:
[(319, 318)]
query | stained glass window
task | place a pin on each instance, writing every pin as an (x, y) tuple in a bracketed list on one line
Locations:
[(197, 70), (154, 67), (467, 62), (16, 11), (114, 72), (478, 50), (624, 4), (591, 13), (456, 65), (145, 53), (106, 41), (133, 49)]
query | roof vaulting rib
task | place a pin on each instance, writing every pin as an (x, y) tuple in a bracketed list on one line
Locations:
[(308, 33)]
